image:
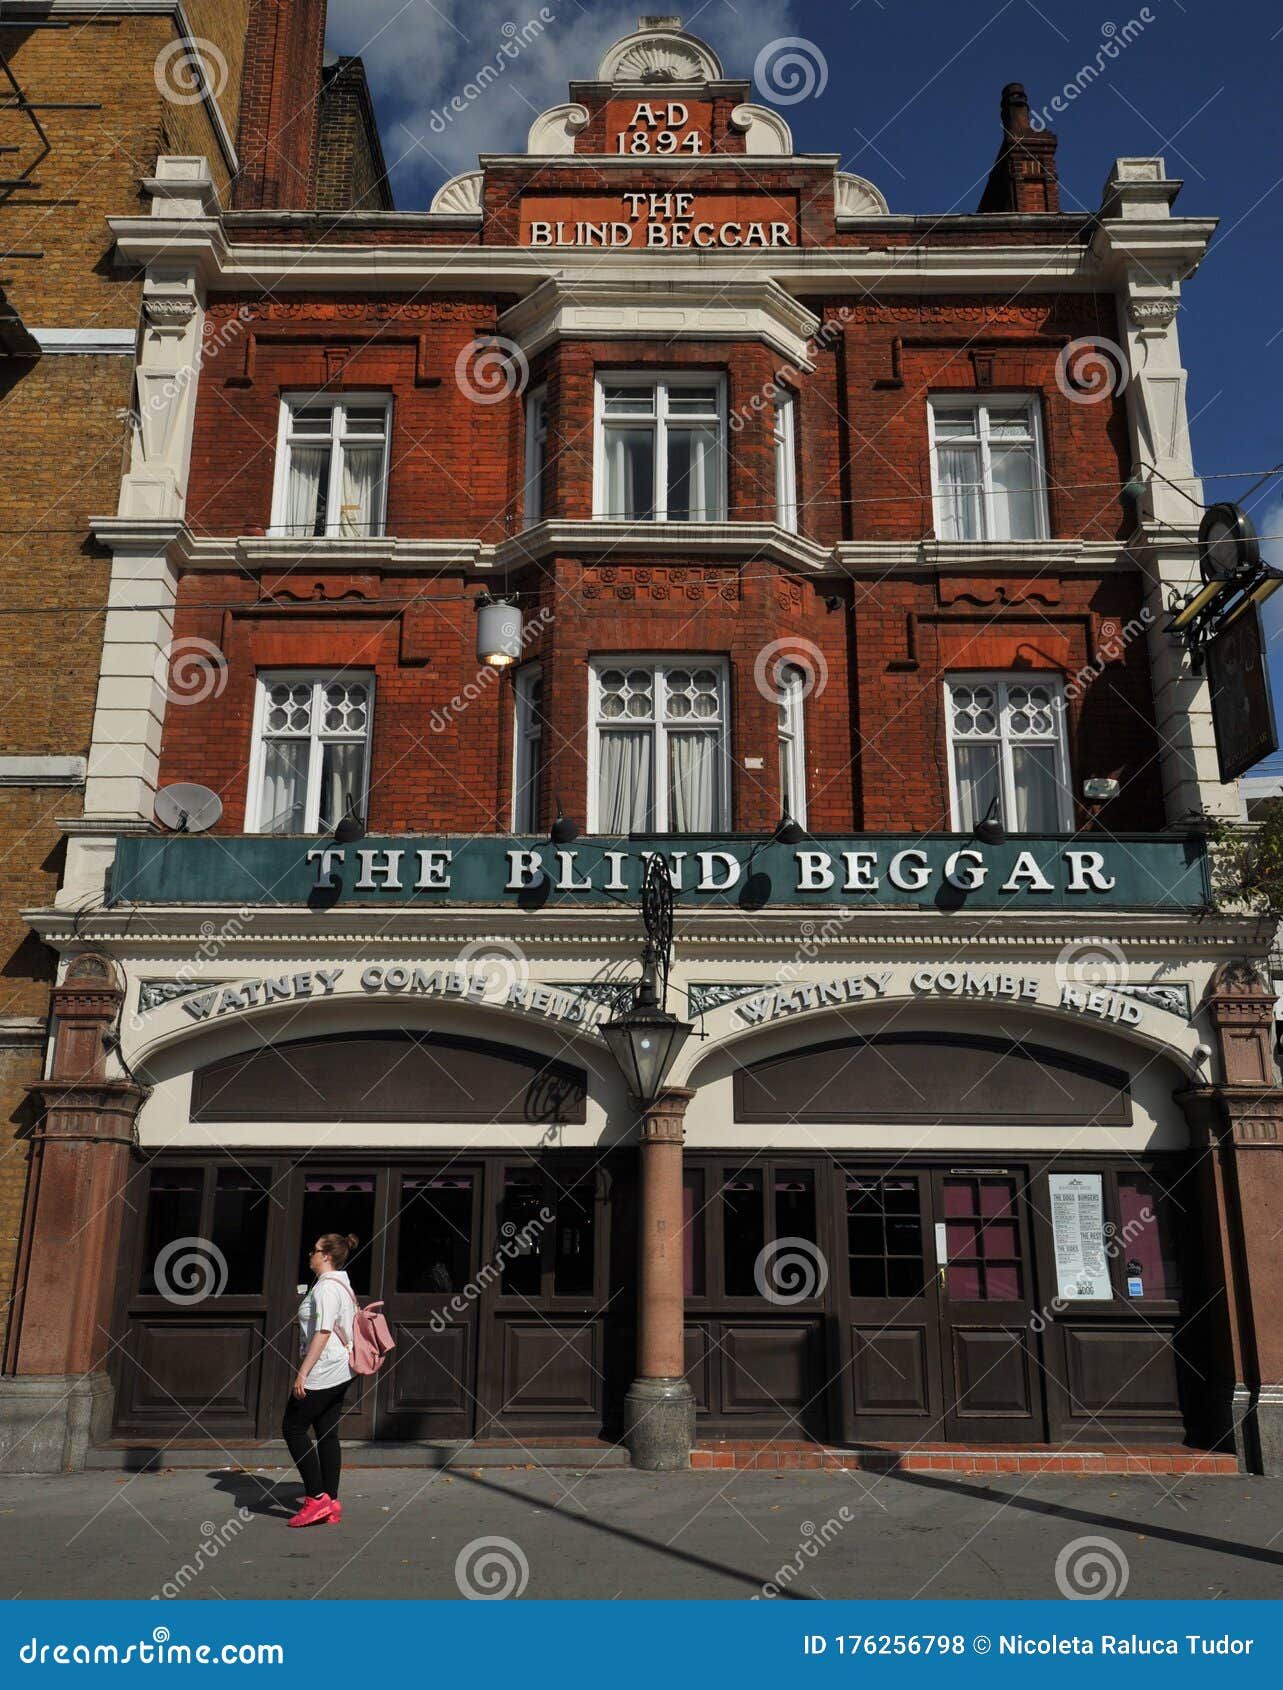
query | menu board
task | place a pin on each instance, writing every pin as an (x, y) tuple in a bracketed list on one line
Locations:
[(1078, 1231)]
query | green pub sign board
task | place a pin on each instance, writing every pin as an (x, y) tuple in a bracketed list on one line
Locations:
[(942, 871)]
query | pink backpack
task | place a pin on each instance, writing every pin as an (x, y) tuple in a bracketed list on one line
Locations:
[(371, 1336)]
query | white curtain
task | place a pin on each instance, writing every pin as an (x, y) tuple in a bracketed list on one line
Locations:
[(630, 473), (361, 465), (342, 767), (958, 470), (692, 475), (1014, 515), (624, 800), (692, 783), (306, 488), (977, 776), (283, 800), (1033, 769)]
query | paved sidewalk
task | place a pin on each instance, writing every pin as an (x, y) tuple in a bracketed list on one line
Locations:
[(410, 1533)]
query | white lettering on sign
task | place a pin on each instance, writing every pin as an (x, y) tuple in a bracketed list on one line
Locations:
[(661, 220), (396, 979), (954, 982), (710, 870), (654, 127), (792, 1000), (253, 994)]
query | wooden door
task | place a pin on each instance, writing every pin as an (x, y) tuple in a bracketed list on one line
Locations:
[(343, 1199), (547, 1298), (887, 1295), (427, 1387), (992, 1378)]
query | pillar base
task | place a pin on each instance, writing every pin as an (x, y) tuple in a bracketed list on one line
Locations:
[(1266, 1423), (659, 1424), (49, 1421)]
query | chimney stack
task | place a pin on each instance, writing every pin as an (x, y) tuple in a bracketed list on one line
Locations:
[(1023, 178)]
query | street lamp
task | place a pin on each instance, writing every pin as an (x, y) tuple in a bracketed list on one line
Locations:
[(645, 1039)]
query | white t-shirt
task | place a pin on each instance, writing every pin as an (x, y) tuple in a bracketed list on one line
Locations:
[(327, 1306)]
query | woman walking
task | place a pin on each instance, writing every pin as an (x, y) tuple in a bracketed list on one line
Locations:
[(324, 1374)]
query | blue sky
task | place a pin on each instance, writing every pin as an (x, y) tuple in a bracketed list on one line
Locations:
[(910, 100)]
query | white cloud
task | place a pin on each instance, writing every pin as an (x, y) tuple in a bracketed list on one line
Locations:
[(420, 55)]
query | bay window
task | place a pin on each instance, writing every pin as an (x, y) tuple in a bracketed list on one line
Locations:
[(987, 471), (310, 759), (658, 746), (1006, 737), (331, 467), (661, 448)]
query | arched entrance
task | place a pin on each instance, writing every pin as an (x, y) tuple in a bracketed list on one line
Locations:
[(499, 1236)]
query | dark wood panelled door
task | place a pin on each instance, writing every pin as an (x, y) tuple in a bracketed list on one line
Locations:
[(992, 1380), (344, 1200), (546, 1300), (888, 1294), (427, 1387)]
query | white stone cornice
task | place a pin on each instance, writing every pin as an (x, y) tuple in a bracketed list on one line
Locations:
[(683, 162), (356, 265), (725, 935), (682, 542), (136, 534), (1167, 251), (679, 541), (1037, 557), (749, 308)]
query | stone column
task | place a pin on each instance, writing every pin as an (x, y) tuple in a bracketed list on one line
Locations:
[(1146, 253), (659, 1410), (1249, 1178), (55, 1396)]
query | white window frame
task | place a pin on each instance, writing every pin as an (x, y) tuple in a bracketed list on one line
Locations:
[(337, 404), (527, 746), (264, 681), (662, 381), (536, 456), (1000, 680), (791, 735), (658, 662), (785, 437), (981, 404)]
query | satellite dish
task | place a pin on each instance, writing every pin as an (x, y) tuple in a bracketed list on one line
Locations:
[(187, 808)]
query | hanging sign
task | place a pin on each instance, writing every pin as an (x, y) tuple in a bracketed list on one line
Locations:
[(1242, 714), (1078, 1234)]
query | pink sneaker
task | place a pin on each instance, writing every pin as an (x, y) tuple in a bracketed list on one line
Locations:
[(315, 1509), (335, 1515)]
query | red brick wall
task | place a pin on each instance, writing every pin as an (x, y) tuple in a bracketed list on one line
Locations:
[(875, 744), (280, 104)]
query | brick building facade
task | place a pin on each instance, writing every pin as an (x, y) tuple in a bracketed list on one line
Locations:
[(92, 97), (832, 573)]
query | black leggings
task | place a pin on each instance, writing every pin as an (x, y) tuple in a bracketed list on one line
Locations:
[(315, 1412)]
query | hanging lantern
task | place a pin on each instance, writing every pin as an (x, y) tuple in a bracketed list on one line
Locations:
[(498, 632)]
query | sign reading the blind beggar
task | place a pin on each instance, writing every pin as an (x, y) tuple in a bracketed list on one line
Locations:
[(1078, 1231), (940, 872), (671, 220)]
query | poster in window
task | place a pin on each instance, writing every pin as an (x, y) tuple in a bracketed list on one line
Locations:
[(1078, 1232), (1242, 714)]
